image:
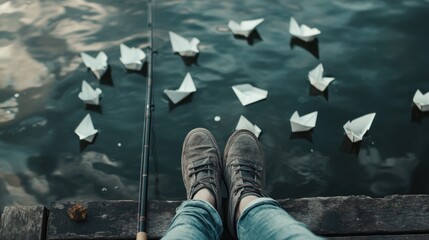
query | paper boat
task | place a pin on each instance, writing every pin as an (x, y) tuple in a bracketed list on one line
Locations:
[(187, 87), (86, 130), (358, 127), (302, 32), (97, 65), (421, 101), (303, 123), (243, 123), (248, 94), (89, 95), (182, 46), (316, 78), (245, 27), (131, 57)]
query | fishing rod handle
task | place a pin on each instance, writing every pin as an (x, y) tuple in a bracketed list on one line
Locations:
[(141, 236)]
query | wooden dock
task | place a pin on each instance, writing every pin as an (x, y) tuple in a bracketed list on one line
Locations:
[(350, 217)]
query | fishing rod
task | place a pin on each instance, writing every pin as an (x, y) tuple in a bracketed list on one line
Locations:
[(144, 158)]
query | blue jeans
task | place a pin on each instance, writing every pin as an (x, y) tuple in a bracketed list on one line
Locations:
[(262, 219)]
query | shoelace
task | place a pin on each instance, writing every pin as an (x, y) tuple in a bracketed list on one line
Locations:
[(248, 184), (208, 178)]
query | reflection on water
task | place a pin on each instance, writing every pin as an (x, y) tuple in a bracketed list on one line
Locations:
[(350, 147), (253, 38), (387, 175), (307, 135), (376, 50), (417, 115), (189, 61), (316, 92), (308, 172), (312, 47)]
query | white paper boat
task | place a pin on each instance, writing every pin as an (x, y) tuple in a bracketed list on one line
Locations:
[(97, 65), (316, 78), (245, 27), (248, 94), (243, 123), (182, 46), (89, 95), (421, 101), (303, 123), (187, 87), (86, 130), (302, 32), (132, 57), (358, 127)]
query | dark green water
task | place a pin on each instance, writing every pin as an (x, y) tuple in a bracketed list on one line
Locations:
[(377, 51)]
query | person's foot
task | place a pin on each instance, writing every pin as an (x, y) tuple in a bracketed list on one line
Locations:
[(243, 172), (202, 167)]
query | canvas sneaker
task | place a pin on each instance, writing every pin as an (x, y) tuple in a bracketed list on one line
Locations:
[(201, 164), (243, 171)]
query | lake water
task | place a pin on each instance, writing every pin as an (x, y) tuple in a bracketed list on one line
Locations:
[(376, 50)]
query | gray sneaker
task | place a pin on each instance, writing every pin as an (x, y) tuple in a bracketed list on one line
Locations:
[(243, 172), (201, 164)]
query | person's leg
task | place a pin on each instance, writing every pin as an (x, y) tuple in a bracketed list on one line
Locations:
[(251, 215), (198, 217), (195, 219), (264, 218)]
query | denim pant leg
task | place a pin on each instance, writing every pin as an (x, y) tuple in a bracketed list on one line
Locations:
[(265, 219), (195, 219)]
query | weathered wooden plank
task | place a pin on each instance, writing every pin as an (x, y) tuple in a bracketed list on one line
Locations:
[(385, 237), (339, 216), (361, 215), (109, 220), (23, 222)]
